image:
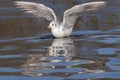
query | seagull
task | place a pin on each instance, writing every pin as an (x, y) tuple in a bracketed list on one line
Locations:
[(64, 28)]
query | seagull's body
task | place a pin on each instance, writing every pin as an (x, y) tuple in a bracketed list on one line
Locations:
[(59, 31), (64, 28)]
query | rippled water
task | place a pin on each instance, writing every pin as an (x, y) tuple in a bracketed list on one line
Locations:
[(29, 52)]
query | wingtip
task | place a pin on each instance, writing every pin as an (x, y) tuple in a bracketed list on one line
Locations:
[(23, 2), (15, 2), (102, 2)]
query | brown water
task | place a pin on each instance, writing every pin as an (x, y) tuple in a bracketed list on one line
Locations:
[(29, 52)]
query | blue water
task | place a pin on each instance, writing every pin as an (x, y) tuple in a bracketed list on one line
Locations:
[(62, 59), (29, 52)]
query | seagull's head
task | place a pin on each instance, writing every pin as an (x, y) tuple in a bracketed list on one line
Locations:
[(53, 25)]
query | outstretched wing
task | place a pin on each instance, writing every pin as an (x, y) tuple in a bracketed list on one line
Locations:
[(71, 15), (39, 10)]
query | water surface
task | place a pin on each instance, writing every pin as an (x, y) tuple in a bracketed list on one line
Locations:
[(29, 52)]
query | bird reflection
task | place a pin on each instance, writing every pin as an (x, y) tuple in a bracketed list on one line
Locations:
[(52, 63), (62, 47)]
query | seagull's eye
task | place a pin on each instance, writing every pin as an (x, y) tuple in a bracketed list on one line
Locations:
[(52, 24)]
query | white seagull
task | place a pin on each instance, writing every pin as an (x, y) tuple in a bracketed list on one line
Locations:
[(64, 28)]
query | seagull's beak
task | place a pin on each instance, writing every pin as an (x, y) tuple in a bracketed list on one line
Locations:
[(48, 27)]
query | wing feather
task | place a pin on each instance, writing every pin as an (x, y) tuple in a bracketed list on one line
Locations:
[(71, 15), (39, 10)]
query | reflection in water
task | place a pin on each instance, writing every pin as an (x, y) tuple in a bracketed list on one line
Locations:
[(62, 60), (88, 57), (62, 47)]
